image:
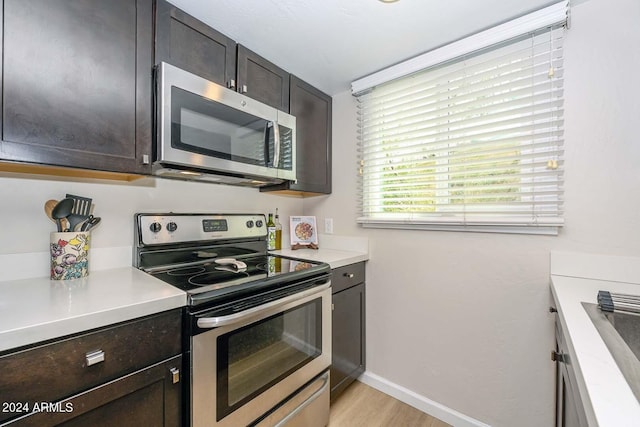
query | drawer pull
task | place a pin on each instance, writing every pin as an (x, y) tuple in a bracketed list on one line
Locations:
[(349, 275), (94, 357), (175, 375)]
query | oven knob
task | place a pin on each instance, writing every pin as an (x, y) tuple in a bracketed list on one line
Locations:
[(259, 223), (155, 227), (249, 224), (172, 226)]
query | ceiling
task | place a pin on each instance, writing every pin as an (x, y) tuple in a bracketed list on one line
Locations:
[(330, 43)]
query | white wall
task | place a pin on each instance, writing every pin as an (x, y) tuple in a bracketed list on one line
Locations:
[(25, 228), (462, 318), (459, 318)]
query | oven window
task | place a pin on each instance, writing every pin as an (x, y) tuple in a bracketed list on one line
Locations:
[(253, 358)]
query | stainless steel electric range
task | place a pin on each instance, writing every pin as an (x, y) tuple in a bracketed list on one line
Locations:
[(257, 327)]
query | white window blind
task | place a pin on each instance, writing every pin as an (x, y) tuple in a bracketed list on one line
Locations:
[(476, 143)]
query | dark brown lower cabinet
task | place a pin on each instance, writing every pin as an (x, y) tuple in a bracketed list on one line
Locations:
[(149, 397), (119, 375), (348, 327)]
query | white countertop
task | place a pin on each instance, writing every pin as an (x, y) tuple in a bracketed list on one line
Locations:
[(607, 397), (34, 309), (38, 309), (335, 250), (334, 257)]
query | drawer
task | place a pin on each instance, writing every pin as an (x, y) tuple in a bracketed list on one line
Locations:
[(65, 367), (148, 397), (347, 276)]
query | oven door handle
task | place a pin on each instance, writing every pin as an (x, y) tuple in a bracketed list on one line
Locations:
[(215, 322)]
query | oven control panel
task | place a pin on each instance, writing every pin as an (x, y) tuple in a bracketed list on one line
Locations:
[(156, 229)]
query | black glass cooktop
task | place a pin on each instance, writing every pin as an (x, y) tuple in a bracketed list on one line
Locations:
[(219, 277), (167, 258)]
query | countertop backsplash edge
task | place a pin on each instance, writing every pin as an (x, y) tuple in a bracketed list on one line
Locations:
[(37, 264)]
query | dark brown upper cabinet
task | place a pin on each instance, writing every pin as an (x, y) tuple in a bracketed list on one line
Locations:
[(262, 80), (77, 83), (190, 44), (312, 109)]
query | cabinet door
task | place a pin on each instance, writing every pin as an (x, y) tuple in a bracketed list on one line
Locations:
[(348, 338), (262, 80), (312, 109), (188, 43), (150, 397), (568, 412), (569, 407), (77, 82)]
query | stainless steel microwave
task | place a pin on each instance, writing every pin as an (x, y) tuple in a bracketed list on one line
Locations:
[(207, 132)]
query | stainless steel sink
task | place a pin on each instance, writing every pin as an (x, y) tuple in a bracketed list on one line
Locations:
[(621, 334)]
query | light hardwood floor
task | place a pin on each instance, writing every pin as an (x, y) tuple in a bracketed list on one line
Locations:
[(361, 405)]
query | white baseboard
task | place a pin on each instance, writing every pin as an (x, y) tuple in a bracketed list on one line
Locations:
[(435, 409)]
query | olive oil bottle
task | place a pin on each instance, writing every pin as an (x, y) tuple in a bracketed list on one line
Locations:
[(278, 231), (271, 233)]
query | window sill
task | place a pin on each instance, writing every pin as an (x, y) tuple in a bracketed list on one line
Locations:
[(548, 228)]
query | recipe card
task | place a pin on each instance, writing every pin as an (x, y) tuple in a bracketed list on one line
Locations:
[(303, 230)]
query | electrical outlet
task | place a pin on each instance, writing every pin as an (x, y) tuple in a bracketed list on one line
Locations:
[(328, 225)]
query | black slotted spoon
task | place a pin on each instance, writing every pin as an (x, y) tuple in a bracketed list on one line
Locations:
[(80, 212)]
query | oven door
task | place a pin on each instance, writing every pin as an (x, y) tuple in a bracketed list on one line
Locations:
[(249, 362), (209, 127)]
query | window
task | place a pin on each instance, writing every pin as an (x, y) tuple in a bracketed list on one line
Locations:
[(473, 144)]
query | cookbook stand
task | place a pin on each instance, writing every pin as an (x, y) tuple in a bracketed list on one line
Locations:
[(299, 246)]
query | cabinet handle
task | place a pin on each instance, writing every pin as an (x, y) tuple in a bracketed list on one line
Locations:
[(558, 357), (175, 375), (231, 84), (94, 357), (145, 159), (553, 310), (244, 89), (349, 275)]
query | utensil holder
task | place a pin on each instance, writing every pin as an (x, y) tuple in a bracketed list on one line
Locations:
[(69, 255)]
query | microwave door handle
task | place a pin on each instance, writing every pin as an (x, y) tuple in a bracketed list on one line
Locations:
[(276, 143), (267, 155)]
